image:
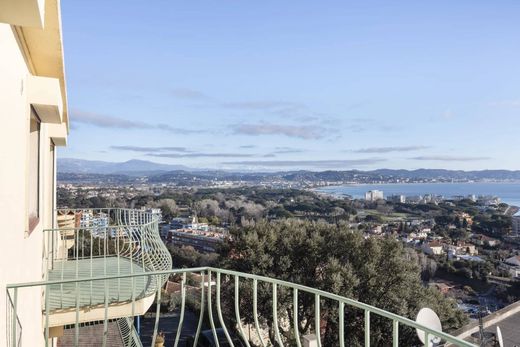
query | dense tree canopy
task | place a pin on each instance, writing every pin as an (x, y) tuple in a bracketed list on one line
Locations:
[(333, 258)]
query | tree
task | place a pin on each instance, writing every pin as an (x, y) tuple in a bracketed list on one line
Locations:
[(374, 218), (427, 265), (333, 258), (168, 207), (187, 256)]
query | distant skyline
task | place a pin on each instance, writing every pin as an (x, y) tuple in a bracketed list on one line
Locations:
[(285, 85)]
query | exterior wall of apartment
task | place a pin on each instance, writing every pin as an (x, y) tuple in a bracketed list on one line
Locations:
[(21, 252)]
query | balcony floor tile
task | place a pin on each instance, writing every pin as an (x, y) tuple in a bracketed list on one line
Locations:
[(63, 297)]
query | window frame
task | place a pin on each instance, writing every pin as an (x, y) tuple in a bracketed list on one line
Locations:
[(34, 220)]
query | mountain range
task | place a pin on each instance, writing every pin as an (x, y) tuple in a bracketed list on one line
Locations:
[(131, 167), (157, 172)]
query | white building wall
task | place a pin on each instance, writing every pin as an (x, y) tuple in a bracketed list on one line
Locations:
[(21, 254)]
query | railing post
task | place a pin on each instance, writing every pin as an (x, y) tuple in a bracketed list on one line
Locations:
[(367, 328), (219, 312), (255, 311), (237, 311), (76, 330), (210, 311), (133, 310), (341, 324), (202, 302), (157, 311), (91, 263), (183, 302), (395, 333), (275, 315), (317, 319), (105, 318), (47, 308), (15, 310), (295, 318)]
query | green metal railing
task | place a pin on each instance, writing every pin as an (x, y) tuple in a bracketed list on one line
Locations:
[(128, 333), (104, 233), (13, 325), (214, 282), (108, 242)]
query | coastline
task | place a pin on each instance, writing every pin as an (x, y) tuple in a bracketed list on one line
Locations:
[(508, 192)]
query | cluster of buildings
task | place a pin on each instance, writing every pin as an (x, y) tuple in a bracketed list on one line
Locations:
[(461, 250), (512, 265), (374, 195), (485, 201), (188, 231), (419, 234), (97, 223)]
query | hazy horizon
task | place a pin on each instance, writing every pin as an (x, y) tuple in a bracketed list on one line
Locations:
[(269, 170)]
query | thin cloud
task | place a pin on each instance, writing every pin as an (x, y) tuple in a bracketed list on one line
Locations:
[(105, 121), (356, 128), (287, 150), (111, 122), (362, 120), (201, 155), (505, 103), (447, 115), (302, 132), (263, 105), (282, 108), (448, 158), (247, 146), (189, 94), (169, 128), (309, 163), (150, 149), (361, 124), (390, 149)]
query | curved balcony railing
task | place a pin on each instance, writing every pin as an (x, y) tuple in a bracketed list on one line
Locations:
[(129, 336), (104, 242), (240, 309)]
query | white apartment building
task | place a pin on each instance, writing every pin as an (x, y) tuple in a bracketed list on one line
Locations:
[(374, 195)]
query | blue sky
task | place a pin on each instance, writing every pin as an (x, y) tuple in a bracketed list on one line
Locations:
[(284, 85)]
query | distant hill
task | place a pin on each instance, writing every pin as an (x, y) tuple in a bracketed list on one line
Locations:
[(131, 167), (452, 174), (386, 174), (70, 169)]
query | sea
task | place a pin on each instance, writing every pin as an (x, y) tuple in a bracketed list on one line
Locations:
[(507, 192)]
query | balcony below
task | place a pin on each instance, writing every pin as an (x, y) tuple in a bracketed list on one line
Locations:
[(90, 297), (93, 243)]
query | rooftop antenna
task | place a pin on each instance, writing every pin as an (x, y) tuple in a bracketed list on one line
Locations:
[(428, 318)]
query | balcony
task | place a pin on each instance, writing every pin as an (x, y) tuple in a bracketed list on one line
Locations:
[(102, 242), (233, 309)]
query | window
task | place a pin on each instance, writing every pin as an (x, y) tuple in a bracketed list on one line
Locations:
[(34, 172)]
